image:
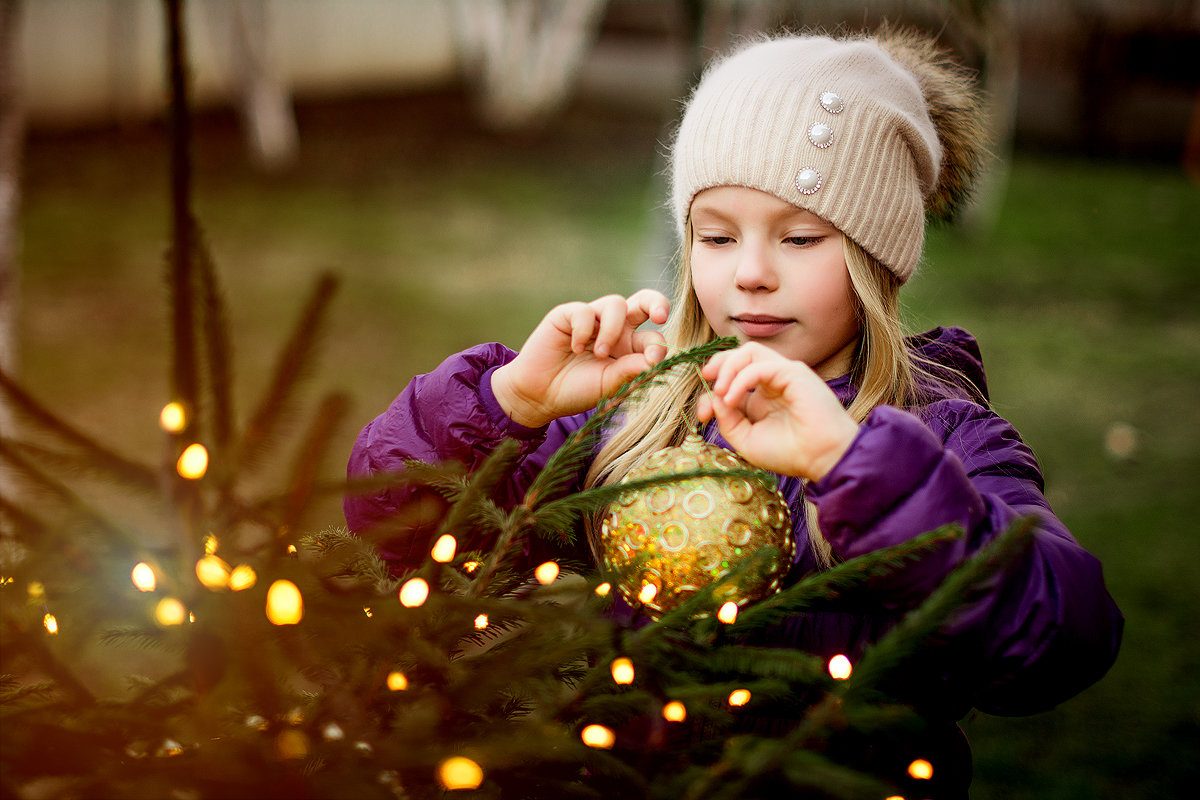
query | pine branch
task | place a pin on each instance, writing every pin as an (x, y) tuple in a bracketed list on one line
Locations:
[(955, 591), (116, 466), (292, 366), (566, 463), (217, 347)]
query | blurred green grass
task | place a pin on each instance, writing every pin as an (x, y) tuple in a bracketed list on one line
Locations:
[(1084, 297)]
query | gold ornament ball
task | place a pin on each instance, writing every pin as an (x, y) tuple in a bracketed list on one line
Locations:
[(664, 543)]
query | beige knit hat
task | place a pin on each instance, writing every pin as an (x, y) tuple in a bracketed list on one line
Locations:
[(869, 134)]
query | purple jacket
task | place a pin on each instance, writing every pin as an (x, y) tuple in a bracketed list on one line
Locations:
[(1041, 632)]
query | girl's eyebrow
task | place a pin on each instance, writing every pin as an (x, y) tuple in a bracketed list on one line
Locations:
[(805, 216)]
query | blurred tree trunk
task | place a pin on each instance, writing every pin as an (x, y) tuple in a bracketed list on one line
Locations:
[(265, 102), (12, 132), (523, 55)]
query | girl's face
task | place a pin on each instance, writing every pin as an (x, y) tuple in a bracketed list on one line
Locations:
[(767, 271)]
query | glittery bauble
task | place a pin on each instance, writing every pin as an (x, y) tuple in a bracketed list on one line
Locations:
[(664, 543)]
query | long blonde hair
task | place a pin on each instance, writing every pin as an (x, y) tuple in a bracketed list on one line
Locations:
[(883, 370)]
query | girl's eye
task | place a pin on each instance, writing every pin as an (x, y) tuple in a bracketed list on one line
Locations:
[(716, 241), (803, 241)]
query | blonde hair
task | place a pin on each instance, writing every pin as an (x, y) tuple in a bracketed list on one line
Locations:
[(883, 369)]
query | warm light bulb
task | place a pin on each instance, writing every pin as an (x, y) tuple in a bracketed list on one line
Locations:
[(210, 544), (603, 589), (51, 624), (728, 613), (171, 418), (414, 593), (242, 577), (647, 593), (921, 769), (622, 670), (481, 621), (143, 577), (193, 462), (397, 681), (598, 736), (367, 610), (285, 605), (739, 697), (460, 772), (840, 667), (212, 572), (546, 573), (170, 611), (674, 711), (470, 566), (444, 549)]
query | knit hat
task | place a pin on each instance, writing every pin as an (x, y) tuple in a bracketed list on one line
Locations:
[(868, 134)]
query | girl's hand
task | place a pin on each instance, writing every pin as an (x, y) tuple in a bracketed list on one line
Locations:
[(579, 353), (776, 412)]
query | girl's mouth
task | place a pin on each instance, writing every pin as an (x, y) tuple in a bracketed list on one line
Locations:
[(760, 326)]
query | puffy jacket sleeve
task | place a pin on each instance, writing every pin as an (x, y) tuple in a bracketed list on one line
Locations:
[(1037, 634), (447, 415)]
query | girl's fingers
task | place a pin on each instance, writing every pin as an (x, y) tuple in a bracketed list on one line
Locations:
[(612, 312), (651, 344), (647, 304)]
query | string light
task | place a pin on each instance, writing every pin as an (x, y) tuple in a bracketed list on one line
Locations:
[(470, 566), (598, 736), (210, 544), (622, 671), (444, 549), (193, 462), (546, 573), (50, 622), (840, 667), (170, 611), (212, 572), (739, 697), (481, 621), (674, 711), (367, 610), (728, 613), (285, 605), (171, 418), (920, 769), (603, 589), (143, 577), (460, 772), (397, 681), (647, 593), (414, 593), (243, 577)]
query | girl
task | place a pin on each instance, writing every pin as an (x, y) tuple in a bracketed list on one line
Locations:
[(802, 173)]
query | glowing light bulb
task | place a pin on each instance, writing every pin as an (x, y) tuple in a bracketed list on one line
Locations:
[(212, 572), (674, 711), (291, 550), (171, 418), (546, 573), (397, 681), (367, 610), (894, 797), (598, 736), (622, 670), (739, 697), (210, 544), (50, 622), (470, 566), (444, 549), (285, 605), (603, 589), (481, 621), (193, 462), (921, 769), (143, 577), (170, 611), (460, 772), (840, 667), (291, 744), (728, 613), (647, 593), (242, 577), (414, 593)]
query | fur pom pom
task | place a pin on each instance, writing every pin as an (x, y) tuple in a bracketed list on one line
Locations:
[(956, 108)]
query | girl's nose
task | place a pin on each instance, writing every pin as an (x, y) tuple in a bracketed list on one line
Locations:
[(755, 272)]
